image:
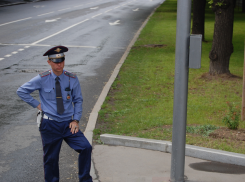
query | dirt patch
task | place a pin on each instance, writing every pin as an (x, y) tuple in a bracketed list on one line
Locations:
[(231, 77), (224, 133)]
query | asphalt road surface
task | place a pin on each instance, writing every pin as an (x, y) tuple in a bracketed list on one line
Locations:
[(97, 32)]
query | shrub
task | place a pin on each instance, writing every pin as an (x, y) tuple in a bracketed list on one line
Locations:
[(232, 119)]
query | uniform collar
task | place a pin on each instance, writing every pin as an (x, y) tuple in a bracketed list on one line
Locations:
[(61, 77)]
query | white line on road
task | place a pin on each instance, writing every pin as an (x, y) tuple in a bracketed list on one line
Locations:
[(95, 7), (46, 13), (115, 23), (8, 55), (1, 59), (59, 32), (108, 10), (45, 45), (64, 9), (15, 52), (53, 20), (94, 47), (137, 9), (21, 49), (97, 15), (15, 21)]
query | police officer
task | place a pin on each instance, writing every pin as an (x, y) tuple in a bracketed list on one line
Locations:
[(61, 104)]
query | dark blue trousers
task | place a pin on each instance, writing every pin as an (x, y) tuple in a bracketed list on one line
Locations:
[(53, 133)]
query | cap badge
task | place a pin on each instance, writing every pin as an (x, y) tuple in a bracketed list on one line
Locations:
[(58, 55), (58, 49)]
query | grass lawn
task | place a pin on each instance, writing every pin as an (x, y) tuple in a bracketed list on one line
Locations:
[(140, 102)]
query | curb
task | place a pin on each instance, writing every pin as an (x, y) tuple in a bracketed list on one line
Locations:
[(166, 146), (94, 114)]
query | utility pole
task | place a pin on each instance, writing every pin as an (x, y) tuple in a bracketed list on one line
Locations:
[(243, 89), (180, 90)]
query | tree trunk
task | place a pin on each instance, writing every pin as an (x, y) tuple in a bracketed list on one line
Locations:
[(222, 47), (243, 6), (198, 19)]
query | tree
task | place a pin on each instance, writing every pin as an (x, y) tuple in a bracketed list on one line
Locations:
[(222, 47), (198, 19), (243, 6)]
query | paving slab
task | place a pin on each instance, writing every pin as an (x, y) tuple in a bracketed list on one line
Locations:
[(166, 146), (127, 164)]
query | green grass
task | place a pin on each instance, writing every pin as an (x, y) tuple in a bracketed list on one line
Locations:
[(140, 102)]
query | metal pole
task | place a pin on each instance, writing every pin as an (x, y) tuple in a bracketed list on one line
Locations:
[(243, 89), (180, 90)]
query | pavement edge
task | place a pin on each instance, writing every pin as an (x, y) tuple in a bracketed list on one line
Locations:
[(166, 146)]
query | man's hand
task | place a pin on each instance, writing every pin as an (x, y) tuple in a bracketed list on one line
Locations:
[(74, 127), (39, 107)]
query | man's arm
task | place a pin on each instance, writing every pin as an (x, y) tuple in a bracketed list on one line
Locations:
[(26, 89), (77, 101)]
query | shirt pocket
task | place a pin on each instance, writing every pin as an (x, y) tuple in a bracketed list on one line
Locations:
[(49, 94), (66, 95)]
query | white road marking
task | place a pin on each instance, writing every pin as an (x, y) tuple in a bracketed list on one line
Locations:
[(97, 15), (59, 32), (46, 13), (81, 46), (115, 23), (1, 59), (8, 55), (21, 49), (15, 21), (53, 20), (95, 7), (45, 45), (117, 7), (15, 52), (64, 9), (137, 9), (108, 10)]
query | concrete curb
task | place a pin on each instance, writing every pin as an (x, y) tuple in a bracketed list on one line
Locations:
[(94, 114), (166, 146)]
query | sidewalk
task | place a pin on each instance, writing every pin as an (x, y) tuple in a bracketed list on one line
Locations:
[(126, 164)]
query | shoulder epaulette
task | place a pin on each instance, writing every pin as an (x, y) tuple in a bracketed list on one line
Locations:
[(70, 74), (46, 73)]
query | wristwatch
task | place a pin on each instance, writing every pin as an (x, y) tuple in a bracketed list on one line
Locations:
[(76, 120)]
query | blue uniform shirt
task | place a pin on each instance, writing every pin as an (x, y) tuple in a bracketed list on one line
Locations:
[(46, 85)]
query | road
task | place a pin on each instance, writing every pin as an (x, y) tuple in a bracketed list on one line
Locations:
[(97, 32)]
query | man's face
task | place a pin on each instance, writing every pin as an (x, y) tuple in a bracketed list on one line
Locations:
[(57, 67)]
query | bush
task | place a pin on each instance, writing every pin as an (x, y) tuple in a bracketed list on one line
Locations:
[(232, 119)]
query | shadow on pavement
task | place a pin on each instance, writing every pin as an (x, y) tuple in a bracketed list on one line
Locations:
[(218, 167)]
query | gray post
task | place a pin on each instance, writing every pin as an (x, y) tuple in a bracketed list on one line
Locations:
[(180, 90)]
